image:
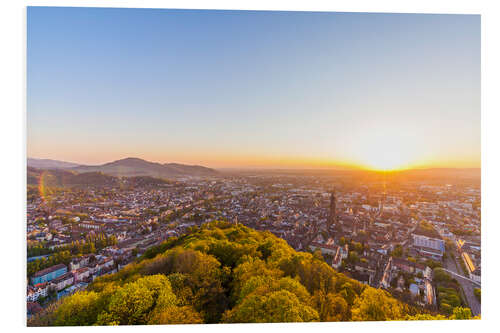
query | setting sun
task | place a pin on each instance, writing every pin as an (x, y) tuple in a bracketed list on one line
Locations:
[(386, 159), (386, 148)]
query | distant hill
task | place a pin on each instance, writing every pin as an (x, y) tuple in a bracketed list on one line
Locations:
[(60, 178), (43, 163), (130, 167)]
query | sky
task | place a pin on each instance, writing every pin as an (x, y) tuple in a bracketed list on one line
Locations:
[(256, 89)]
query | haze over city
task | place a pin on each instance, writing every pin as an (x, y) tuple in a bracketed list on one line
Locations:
[(229, 89)]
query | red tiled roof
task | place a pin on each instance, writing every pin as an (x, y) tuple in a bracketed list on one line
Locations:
[(324, 246), (40, 285)]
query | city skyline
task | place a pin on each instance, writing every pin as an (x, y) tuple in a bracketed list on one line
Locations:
[(254, 89)]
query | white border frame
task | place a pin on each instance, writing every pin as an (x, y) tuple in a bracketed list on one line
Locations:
[(13, 165)]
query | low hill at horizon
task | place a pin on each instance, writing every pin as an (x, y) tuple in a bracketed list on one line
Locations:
[(132, 166), (64, 177), (45, 163), (127, 167)]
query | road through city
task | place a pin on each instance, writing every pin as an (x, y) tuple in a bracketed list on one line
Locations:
[(467, 285)]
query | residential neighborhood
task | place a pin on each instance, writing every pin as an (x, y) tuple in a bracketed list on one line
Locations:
[(389, 236)]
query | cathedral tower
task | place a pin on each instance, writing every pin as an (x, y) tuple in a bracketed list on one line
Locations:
[(332, 216)]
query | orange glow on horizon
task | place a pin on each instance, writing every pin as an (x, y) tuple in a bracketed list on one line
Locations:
[(371, 145), (372, 161)]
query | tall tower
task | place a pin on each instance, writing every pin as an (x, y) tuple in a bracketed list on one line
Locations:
[(381, 204), (332, 216)]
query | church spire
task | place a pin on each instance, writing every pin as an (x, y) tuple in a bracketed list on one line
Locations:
[(332, 216)]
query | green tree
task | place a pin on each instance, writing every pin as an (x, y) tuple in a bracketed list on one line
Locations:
[(376, 305), (204, 276), (262, 285), (461, 313), (131, 304), (80, 309), (398, 251), (275, 307), (477, 293), (175, 315), (331, 307)]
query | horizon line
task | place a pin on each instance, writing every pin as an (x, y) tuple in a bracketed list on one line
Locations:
[(271, 168)]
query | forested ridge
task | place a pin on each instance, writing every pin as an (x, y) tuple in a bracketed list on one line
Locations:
[(226, 273)]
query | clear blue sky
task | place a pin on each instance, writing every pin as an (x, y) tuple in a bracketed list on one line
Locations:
[(249, 88)]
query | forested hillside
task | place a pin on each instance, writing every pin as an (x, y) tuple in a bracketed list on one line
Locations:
[(226, 273)]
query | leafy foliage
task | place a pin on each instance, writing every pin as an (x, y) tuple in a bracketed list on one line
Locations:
[(477, 293), (375, 304), (222, 272), (448, 294)]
